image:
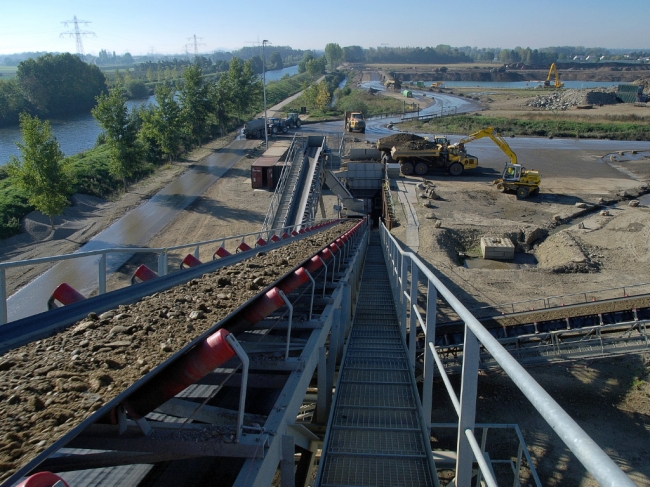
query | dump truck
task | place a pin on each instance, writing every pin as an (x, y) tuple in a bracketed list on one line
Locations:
[(354, 122), (417, 154)]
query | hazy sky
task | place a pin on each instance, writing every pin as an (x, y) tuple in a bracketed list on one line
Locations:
[(166, 26)]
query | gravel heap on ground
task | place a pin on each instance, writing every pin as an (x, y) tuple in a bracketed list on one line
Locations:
[(645, 82), (561, 253), (51, 385), (562, 100)]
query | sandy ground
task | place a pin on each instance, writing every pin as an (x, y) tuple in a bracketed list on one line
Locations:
[(561, 250), (511, 105)]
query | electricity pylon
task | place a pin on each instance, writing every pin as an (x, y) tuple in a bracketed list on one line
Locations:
[(78, 34)]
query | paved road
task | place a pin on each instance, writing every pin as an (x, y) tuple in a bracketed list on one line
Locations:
[(134, 229)]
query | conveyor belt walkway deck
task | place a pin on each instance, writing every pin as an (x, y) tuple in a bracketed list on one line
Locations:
[(375, 431)]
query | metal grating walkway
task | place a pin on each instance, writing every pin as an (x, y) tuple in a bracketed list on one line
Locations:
[(375, 436)]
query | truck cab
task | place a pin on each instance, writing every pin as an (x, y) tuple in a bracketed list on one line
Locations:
[(276, 126), (293, 120), (354, 122)]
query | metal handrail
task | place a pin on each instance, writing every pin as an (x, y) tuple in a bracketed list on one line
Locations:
[(592, 457), (279, 189), (547, 300)]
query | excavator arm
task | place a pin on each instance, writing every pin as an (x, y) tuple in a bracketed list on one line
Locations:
[(496, 138), (553, 69)]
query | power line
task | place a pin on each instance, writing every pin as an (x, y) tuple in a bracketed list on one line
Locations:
[(195, 44), (78, 34)]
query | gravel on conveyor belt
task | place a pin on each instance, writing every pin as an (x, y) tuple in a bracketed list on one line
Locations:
[(49, 386)]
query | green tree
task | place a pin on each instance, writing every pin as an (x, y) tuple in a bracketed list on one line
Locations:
[(323, 97), (309, 94), (353, 54), (12, 102), (162, 123), (193, 96), (256, 64), (275, 61), (42, 171), (302, 65), (334, 55), (121, 133), (118, 78), (316, 66), (244, 88), (136, 88), (219, 101), (60, 84)]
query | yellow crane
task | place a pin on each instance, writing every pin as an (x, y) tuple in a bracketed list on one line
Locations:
[(557, 77), (515, 177)]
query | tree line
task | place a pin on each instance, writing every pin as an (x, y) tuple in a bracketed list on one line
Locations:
[(445, 54), (184, 115), (51, 85)]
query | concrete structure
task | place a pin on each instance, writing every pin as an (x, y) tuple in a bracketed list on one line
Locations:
[(497, 248)]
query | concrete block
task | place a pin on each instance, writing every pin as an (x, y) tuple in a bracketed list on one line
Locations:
[(497, 248)]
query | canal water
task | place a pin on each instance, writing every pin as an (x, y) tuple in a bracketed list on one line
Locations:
[(79, 132), (524, 84)]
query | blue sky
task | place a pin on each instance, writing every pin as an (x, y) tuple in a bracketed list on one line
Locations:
[(166, 26)]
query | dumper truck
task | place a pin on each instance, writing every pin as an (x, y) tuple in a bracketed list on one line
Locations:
[(417, 154), (354, 122)]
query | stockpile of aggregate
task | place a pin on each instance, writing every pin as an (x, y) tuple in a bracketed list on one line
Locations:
[(51, 385), (569, 98)]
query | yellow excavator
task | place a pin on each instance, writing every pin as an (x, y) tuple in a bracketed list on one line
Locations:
[(557, 84), (515, 177)]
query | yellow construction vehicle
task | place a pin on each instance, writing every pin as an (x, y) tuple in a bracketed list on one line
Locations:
[(557, 78), (515, 177), (417, 154)]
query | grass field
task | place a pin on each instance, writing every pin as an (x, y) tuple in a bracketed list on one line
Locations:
[(8, 72)]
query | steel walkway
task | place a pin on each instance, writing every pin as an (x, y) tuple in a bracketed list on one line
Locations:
[(375, 431)]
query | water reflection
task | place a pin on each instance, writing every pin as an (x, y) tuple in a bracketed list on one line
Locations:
[(75, 134), (79, 132)]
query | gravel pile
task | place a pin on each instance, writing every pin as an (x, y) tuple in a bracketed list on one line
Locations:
[(645, 82), (49, 386), (562, 100), (561, 253)]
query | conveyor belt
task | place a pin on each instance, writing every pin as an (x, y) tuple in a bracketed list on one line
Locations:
[(579, 331)]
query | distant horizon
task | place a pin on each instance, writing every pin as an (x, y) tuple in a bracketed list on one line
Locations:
[(270, 48), (146, 25)]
